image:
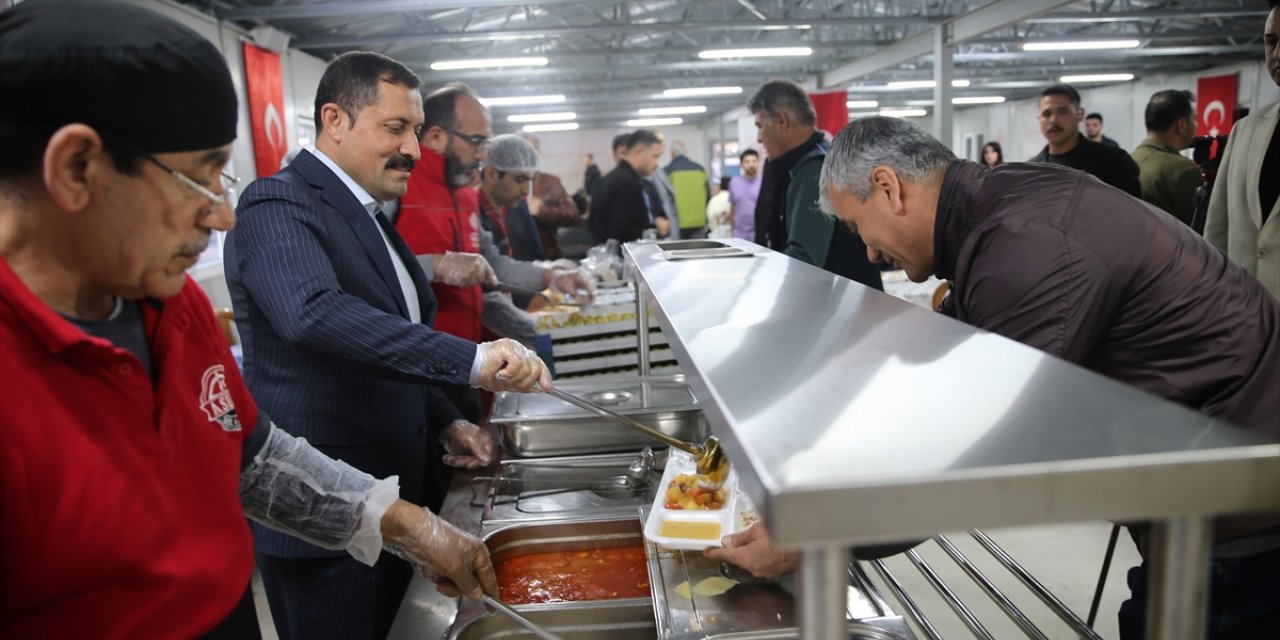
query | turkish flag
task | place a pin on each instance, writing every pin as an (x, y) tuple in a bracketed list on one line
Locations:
[(833, 114), (1216, 101), (262, 73)]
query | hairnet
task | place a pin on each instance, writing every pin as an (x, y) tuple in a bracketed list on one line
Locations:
[(118, 68), (509, 152)]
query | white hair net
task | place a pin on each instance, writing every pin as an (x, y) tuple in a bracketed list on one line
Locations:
[(509, 152)]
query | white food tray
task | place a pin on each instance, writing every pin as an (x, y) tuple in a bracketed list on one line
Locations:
[(728, 518)]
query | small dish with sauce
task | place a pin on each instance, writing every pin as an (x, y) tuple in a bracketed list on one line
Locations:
[(674, 527)]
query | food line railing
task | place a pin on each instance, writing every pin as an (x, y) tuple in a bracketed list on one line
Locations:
[(808, 377)]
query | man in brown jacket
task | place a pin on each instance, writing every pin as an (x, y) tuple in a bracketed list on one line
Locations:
[(1056, 260)]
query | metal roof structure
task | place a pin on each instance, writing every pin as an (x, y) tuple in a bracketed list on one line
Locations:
[(610, 58)]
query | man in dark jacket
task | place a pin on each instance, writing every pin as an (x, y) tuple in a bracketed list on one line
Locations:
[(787, 215), (1058, 261), (622, 208), (1059, 116)]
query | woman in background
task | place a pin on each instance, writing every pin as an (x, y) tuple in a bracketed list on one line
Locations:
[(992, 156)]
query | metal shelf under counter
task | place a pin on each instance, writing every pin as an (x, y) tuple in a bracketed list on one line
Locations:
[(812, 383)]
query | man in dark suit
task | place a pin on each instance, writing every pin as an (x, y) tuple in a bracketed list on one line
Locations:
[(335, 315)]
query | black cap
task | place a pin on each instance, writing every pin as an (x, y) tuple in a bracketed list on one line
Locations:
[(118, 68)]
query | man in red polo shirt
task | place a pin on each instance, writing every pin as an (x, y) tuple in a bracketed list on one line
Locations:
[(132, 449)]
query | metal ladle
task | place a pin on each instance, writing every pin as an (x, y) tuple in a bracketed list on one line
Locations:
[(713, 467), (515, 616)]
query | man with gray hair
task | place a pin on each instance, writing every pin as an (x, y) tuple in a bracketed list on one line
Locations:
[(1047, 256), (787, 215)]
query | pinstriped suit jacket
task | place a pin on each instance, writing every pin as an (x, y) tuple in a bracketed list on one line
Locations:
[(330, 353)]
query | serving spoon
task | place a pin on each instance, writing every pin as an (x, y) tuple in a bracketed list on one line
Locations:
[(713, 466)]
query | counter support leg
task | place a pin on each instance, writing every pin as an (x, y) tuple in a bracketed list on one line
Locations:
[(642, 330), (823, 585), (1178, 578)]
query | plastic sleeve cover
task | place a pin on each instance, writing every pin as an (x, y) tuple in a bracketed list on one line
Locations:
[(292, 487)]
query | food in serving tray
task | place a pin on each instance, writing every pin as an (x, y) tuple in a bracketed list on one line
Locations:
[(578, 319), (685, 493), (574, 576), (696, 530)]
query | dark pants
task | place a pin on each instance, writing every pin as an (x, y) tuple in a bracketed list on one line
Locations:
[(241, 623), (319, 598), (694, 233), (1244, 599)]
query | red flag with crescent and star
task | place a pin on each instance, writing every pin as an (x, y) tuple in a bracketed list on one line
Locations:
[(262, 73), (1216, 102)]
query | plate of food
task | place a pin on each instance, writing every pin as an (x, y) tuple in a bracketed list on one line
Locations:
[(685, 515)]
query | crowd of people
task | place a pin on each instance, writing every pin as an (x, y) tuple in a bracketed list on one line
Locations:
[(373, 277)]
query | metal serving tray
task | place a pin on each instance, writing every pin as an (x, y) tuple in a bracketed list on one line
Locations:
[(538, 425)]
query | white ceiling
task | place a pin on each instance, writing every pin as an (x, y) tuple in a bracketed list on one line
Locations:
[(610, 58)]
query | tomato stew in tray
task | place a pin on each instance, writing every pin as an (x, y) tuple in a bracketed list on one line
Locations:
[(574, 576)]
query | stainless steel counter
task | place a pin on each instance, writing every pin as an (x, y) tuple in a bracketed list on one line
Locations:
[(812, 383)]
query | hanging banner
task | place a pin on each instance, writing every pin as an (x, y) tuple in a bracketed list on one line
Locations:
[(1216, 102), (262, 77), (833, 114)]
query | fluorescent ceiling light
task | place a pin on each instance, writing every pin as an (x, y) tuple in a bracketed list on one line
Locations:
[(654, 122), (672, 111), (543, 117), (784, 27), (489, 63), (903, 113), (521, 100), (978, 100), (702, 91), (861, 104), (1097, 77), (861, 114), (922, 84), (555, 126), (1079, 45), (759, 52)]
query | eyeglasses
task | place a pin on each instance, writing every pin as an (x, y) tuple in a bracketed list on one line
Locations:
[(228, 181), (474, 139)]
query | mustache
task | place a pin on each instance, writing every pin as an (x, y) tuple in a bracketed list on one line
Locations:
[(194, 249), (1055, 129), (400, 162)]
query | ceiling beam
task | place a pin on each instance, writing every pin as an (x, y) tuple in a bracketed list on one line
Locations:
[(1195, 12), (367, 8), (342, 42), (996, 15)]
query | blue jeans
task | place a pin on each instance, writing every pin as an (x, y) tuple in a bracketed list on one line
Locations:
[(1244, 599)]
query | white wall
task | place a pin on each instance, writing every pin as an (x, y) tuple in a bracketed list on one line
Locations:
[(1014, 124), (562, 151)]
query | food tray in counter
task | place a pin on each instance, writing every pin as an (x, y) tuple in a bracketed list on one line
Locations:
[(612, 361), (599, 345), (696, 529)]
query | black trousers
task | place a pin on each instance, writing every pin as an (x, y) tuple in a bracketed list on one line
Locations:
[(339, 598)]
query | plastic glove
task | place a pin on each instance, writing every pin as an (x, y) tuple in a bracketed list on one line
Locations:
[(468, 446), (565, 263), (507, 365), (754, 551), (458, 563), (576, 283), (462, 269)]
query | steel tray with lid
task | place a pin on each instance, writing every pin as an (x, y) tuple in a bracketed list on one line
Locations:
[(536, 425)]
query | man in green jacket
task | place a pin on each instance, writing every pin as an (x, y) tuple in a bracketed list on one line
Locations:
[(689, 181), (1169, 180)]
